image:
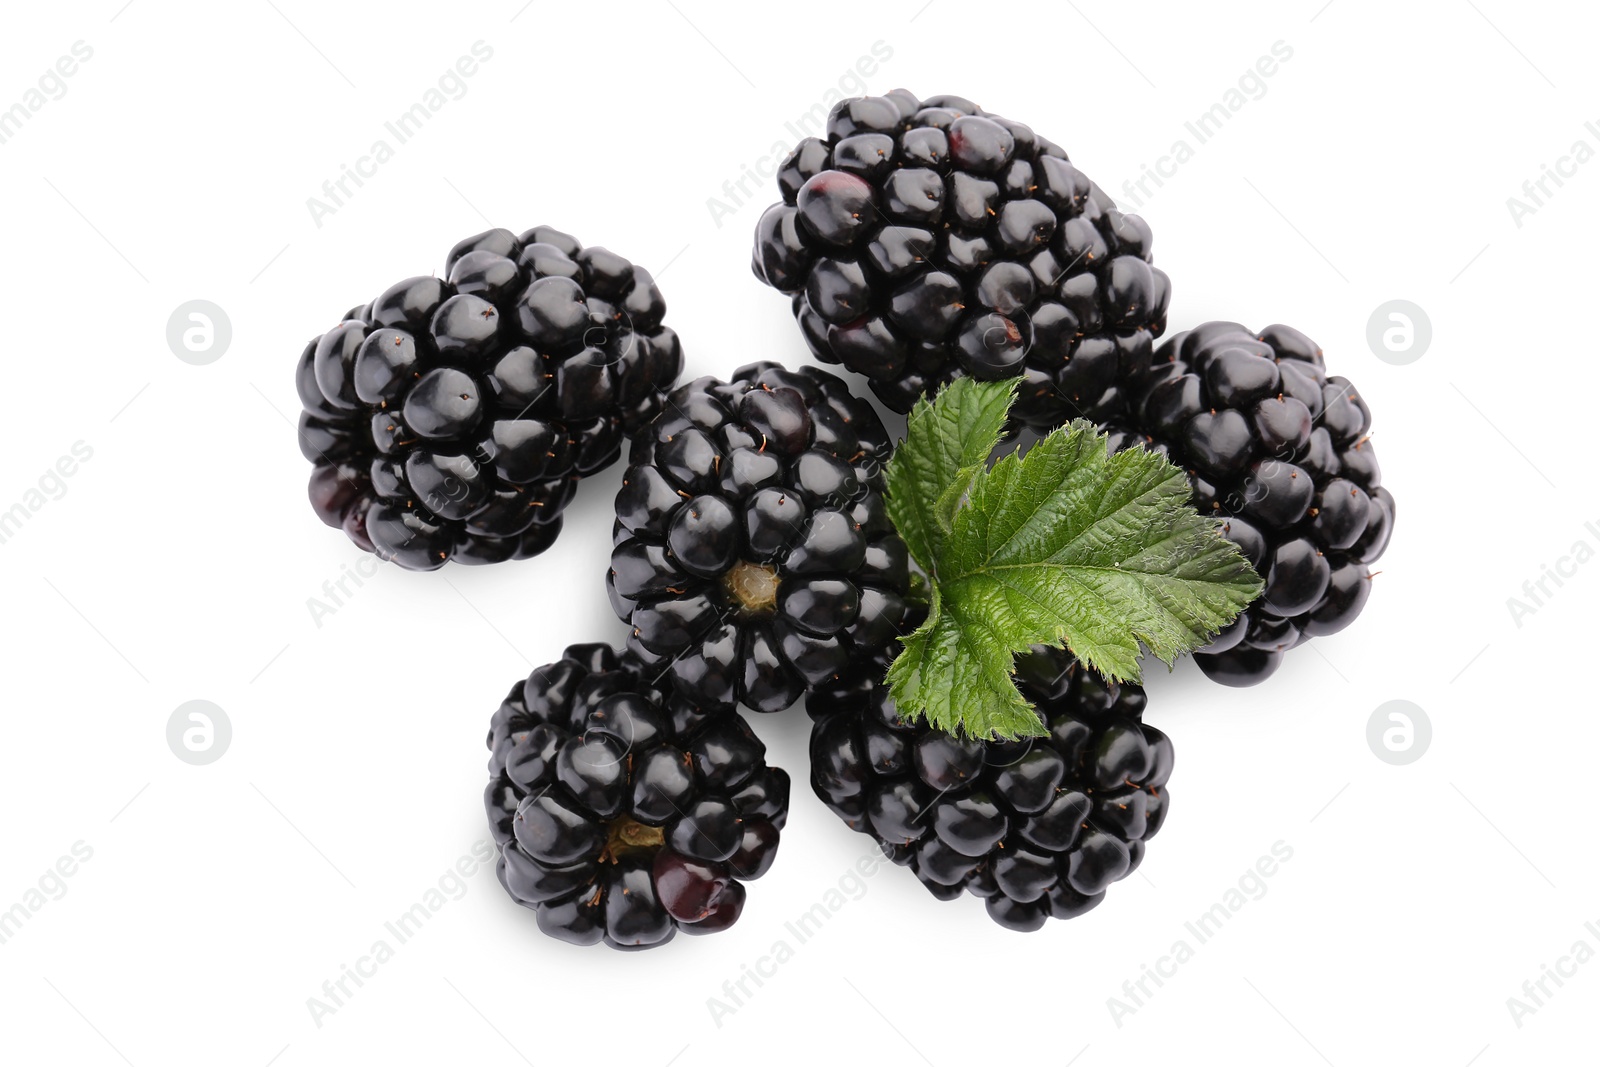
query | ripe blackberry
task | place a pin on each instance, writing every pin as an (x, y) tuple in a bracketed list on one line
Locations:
[(1038, 827), (754, 556), (452, 417), (622, 812), (923, 240), (1279, 449)]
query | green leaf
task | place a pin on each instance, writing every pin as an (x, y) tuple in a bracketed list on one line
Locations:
[(946, 445), (956, 672), (1065, 544)]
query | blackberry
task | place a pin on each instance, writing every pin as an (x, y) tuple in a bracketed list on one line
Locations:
[(1279, 449), (622, 812), (451, 418), (1037, 827), (928, 239), (754, 556)]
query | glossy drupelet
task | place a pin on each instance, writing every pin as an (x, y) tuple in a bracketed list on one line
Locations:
[(451, 418), (922, 240), (754, 557), (1279, 449), (622, 812), (1038, 828)]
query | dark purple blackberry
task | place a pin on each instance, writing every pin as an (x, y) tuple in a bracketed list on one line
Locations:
[(754, 556), (1038, 827), (923, 240), (1279, 449), (451, 418), (623, 812)]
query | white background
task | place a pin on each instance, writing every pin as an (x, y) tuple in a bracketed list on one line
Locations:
[(179, 561)]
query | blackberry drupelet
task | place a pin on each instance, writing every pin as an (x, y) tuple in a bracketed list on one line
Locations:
[(623, 812), (1037, 827), (754, 556), (451, 418), (1279, 449), (923, 240)]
